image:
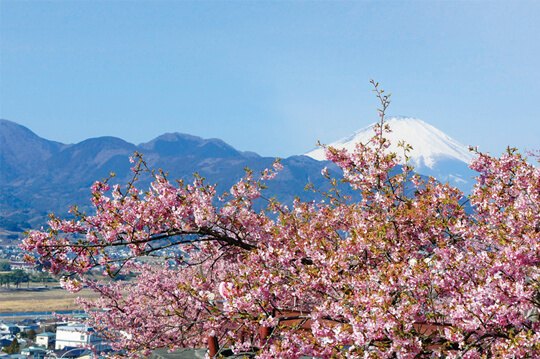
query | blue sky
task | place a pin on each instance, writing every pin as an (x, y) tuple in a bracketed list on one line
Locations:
[(272, 77)]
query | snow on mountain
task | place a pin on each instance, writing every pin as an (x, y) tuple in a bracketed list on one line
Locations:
[(434, 153), (429, 143)]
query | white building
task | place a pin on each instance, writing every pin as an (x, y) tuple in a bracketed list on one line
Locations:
[(78, 335), (9, 329), (46, 339)]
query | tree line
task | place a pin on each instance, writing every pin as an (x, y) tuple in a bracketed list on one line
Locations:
[(18, 277)]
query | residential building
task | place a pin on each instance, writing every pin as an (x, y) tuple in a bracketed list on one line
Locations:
[(78, 335), (27, 267), (35, 352), (46, 339), (9, 329)]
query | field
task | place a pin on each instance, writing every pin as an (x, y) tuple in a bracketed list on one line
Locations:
[(40, 299)]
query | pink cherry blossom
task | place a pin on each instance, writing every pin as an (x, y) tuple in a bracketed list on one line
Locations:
[(225, 289), (407, 271)]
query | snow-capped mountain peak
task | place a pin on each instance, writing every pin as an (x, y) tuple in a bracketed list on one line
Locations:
[(433, 152), (429, 144)]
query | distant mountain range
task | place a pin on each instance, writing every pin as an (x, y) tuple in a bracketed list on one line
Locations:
[(38, 176)]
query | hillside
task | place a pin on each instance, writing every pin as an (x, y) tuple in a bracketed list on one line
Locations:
[(41, 176)]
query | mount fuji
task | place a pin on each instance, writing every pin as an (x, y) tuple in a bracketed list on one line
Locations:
[(434, 153)]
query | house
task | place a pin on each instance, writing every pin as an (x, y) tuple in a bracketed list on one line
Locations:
[(35, 352), (9, 329), (51, 324), (46, 339), (27, 267), (77, 336)]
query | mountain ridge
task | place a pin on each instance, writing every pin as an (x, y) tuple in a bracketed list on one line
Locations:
[(53, 176), (41, 176)]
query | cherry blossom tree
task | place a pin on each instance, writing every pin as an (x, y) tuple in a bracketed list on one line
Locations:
[(407, 271)]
